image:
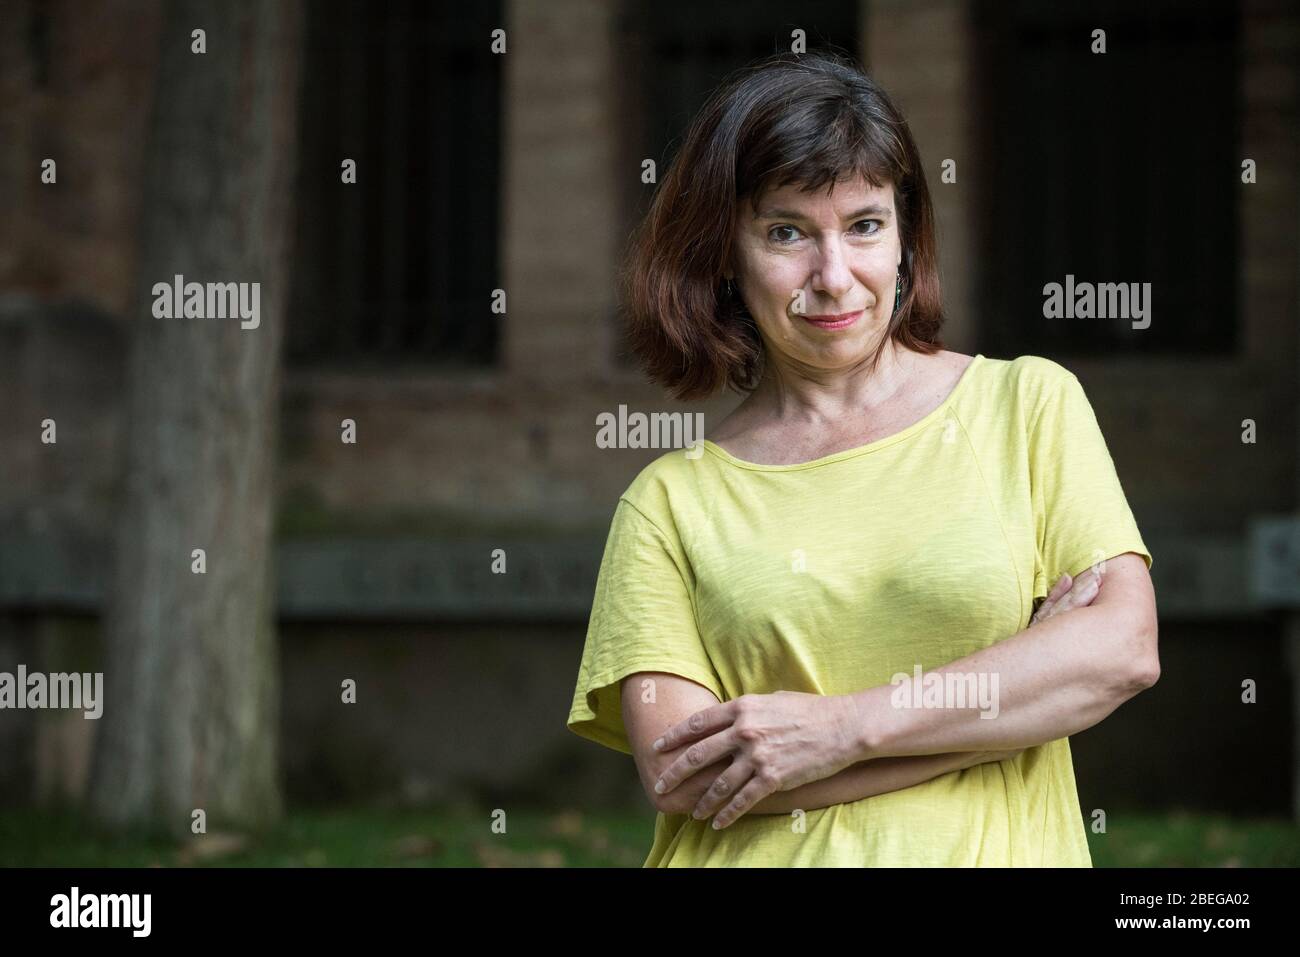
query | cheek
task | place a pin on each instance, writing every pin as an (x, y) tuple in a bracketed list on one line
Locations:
[(776, 286)]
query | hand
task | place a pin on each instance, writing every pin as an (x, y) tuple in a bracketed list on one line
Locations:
[(987, 757), (778, 741), (1069, 593)]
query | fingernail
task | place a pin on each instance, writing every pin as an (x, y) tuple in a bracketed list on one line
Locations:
[(659, 787), (717, 825), (659, 743)]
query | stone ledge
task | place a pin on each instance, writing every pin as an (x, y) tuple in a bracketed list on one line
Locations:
[(553, 578)]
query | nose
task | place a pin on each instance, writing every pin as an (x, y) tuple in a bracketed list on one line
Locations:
[(832, 276)]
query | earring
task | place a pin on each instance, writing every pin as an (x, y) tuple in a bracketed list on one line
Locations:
[(898, 291)]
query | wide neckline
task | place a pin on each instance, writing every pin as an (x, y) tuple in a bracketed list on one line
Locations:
[(917, 426)]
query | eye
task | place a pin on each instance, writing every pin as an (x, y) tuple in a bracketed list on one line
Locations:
[(777, 239), (878, 223)]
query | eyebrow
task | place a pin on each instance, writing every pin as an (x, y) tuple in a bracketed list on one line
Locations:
[(873, 210)]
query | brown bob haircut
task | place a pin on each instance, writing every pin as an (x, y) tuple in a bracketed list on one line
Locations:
[(807, 120)]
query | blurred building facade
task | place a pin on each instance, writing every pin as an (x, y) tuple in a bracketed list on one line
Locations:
[(521, 172)]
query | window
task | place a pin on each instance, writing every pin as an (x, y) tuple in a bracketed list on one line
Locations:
[(1120, 167), (398, 268)]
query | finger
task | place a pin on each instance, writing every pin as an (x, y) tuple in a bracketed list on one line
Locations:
[(1044, 610), (1082, 594), (708, 721), (697, 756), (727, 785), (749, 795)]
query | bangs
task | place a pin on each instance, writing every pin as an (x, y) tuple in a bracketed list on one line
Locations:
[(820, 142)]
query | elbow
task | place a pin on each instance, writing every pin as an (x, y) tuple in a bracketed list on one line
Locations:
[(1131, 666), (1145, 658), (660, 802), (674, 802), (670, 803), (1149, 675), (1144, 677), (684, 798)]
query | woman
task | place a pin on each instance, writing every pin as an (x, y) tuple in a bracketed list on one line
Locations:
[(826, 616)]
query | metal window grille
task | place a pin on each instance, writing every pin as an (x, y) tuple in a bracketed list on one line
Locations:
[(1121, 166), (398, 268)]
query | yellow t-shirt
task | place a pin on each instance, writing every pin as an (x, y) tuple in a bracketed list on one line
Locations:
[(834, 575)]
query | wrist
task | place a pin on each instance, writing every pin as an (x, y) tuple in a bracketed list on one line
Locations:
[(872, 724)]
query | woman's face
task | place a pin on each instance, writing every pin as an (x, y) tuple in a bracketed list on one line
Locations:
[(817, 272)]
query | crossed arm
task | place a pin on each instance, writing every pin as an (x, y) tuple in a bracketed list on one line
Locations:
[(1061, 676), (678, 698)]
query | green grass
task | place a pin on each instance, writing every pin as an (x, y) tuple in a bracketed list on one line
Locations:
[(352, 837), (1184, 839), (451, 837)]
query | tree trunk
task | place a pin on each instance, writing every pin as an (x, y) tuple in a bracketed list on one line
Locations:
[(191, 712)]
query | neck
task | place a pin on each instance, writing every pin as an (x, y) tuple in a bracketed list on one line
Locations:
[(788, 391)]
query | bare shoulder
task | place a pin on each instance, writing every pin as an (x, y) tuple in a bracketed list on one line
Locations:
[(954, 363), (939, 374)]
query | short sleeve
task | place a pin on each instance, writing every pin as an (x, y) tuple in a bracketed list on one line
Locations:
[(1081, 515), (642, 619)]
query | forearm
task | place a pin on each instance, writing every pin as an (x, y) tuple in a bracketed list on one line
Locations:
[(1047, 682), (863, 780), (857, 781)]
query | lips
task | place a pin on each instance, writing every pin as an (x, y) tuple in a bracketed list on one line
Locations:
[(841, 321)]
